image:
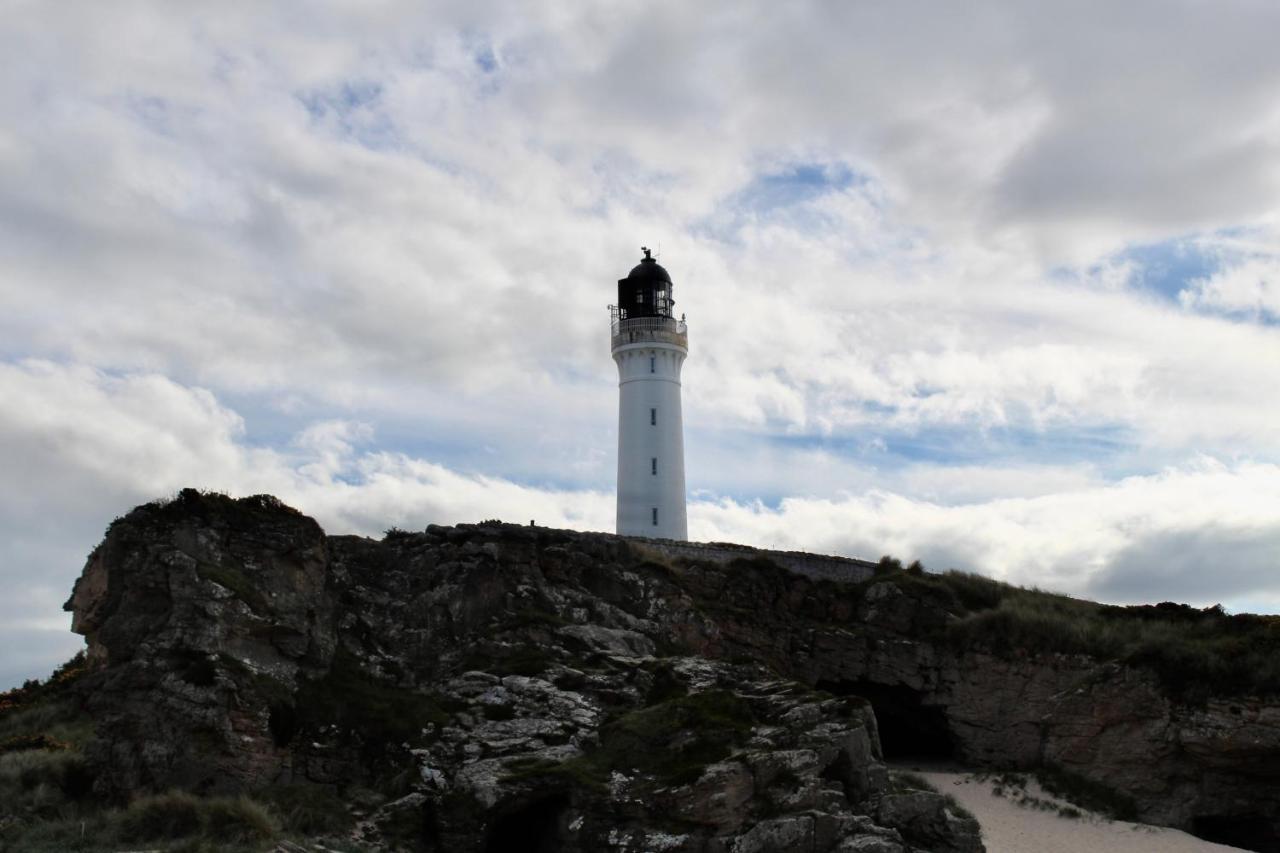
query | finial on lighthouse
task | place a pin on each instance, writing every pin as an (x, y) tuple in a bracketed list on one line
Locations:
[(647, 255)]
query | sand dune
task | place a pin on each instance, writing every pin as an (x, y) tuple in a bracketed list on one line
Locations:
[(1011, 828)]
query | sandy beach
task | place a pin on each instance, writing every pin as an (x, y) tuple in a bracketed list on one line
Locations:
[(1008, 827)]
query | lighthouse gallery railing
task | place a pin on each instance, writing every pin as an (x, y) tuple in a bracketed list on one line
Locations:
[(644, 329)]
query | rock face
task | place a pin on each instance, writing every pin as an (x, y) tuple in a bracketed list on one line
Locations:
[(499, 687)]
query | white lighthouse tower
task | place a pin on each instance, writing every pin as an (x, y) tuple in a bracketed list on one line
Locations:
[(650, 347)]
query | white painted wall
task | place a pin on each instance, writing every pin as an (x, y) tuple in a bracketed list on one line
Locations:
[(640, 441)]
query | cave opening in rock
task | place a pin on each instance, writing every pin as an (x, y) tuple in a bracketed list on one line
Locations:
[(1250, 832), (282, 722), (909, 729), (534, 827)]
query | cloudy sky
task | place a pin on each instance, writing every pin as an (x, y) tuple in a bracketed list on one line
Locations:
[(994, 285)]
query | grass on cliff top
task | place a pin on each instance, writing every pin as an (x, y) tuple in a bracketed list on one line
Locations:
[(1196, 654)]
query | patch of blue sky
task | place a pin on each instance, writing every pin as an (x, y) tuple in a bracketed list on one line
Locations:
[(785, 196), (354, 110), (967, 446), (151, 112), (343, 99), (1107, 447), (1168, 268), (797, 184), (1264, 606), (485, 59)]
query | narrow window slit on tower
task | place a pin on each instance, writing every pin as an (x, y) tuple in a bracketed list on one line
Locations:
[(653, 364), (655, 516), (653, 464), (653, 417)]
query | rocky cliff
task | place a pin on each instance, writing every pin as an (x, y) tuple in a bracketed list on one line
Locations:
[(500, 687)]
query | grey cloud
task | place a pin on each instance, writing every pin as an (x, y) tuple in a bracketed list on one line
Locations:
[(1207, 565), (174, 220)]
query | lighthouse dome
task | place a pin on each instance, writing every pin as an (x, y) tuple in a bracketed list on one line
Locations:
[(646, 291), (648, 270)]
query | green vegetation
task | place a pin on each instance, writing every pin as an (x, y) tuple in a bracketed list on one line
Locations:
[(1194, 653), (178, 815), (1087, 794), (46, 790), (1079, 793), (237, 582), (172, 822), (351, 698), (666, 684), (307, 810), (498, 712), (903, 782), (532, 617), (43, 774), (677, 738), (582, 772), (673, 740), (507, 659)]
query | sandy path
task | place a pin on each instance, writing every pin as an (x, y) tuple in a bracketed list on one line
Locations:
[(1011, 828)]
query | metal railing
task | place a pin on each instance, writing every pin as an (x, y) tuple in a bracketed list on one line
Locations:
[(669, 325)]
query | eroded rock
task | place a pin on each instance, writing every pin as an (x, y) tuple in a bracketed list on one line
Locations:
[(585, 691)]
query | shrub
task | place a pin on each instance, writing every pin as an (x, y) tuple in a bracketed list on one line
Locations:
[(901, 781), (161, 817), (904, 780), (975, 592), (677, 738), (1194, 653), (18, 743), (42, 779), (1086, 793), (888, 565), (237, 820), (308, 810), (352, 698), (673, 740), (177, 815), (498, 712), (238, 583)]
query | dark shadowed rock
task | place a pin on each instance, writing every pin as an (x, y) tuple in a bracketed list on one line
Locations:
[(497, 687)]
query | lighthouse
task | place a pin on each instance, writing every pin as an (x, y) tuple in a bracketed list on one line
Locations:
[(649, 346)]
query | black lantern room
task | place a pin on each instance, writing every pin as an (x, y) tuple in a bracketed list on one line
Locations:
[(646, 291)]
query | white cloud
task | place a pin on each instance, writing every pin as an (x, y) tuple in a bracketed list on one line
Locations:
[(1250, 287), (79, 446), (1109, 540), (384, 235)]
